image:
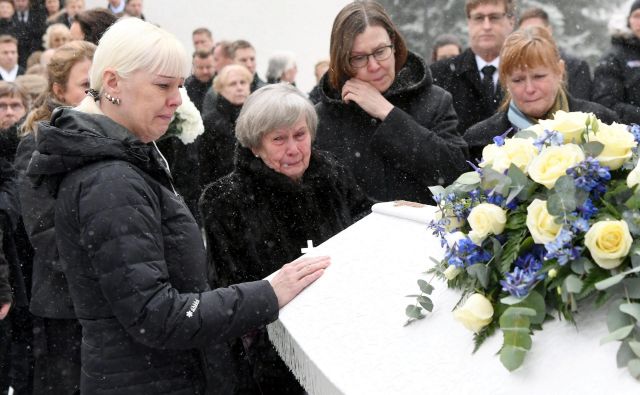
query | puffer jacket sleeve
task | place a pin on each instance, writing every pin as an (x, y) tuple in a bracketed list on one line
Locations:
[(424, 149), (608, 88), (122, 234)]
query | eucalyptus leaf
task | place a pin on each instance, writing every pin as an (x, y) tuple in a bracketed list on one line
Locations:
[(518, 181), (497, 249), (426, 303), (512, 357), (632, 286), (481, 272), (561, 203), (593, 148), (613, 280), (578, 266), (573, 284), (616, 319), (536, 302), (633, 309), (437, 190), (517, 339), (414, 312), (634, 368), (618, 334), (495, 181), (517, 311), (624, 354), (425, 287), (635, 347), (469, 178), (511, 300)]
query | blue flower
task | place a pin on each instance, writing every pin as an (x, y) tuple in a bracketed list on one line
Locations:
[(589, 176), (499, 140), (495, 198), (562, 248), (466, 253), (439, 230), (551, 137), (635, 130), (524, 277)]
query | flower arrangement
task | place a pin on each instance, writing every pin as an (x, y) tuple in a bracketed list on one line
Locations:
[(186, 123), (547, 222)]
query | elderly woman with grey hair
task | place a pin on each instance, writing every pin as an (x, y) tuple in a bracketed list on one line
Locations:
[(279, 195), (282, 68)]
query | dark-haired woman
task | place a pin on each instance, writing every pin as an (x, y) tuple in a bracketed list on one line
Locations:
[(381, 115)]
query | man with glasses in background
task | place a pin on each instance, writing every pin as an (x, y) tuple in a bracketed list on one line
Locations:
[(472, 76)]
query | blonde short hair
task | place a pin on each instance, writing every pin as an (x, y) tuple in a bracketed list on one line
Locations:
[(131, 45), (221, 79)]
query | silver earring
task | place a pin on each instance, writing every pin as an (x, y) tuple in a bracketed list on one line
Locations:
[(112, 99)]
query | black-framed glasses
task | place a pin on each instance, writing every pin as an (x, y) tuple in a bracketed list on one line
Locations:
[(380, 54), (494, 18)]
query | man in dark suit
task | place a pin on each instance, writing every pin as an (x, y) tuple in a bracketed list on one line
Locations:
[(9, 68), (201, 78), (472, 76), (578, 73), (30, 27)]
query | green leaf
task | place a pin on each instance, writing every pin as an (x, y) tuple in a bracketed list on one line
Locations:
[(624, 354), (511, 300), (437, 190), (563, 200), (618, 334), (634, 368), (535, 301), (613, 280), (578, 266), (469, 178), (517, 311), (593, 148), (426, 303), (481, 272), (511, 250), (494, 180), (633, 309), (616, 319), (635, 347), (632, 285), (512, 357), (518, 339), (425, 287), (414, 312), (518, 182), (497, 249), (573, 284)]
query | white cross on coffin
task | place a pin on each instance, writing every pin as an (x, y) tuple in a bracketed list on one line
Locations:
[(309, 247)]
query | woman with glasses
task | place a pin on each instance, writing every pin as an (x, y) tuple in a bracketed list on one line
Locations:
[(381, 114)]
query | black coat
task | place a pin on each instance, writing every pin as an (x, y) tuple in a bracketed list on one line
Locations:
[(196, 90), (29, 35), (135, 261), (415, 147), (208, 104), (460, 77), (256, 219), (8, 258), (217, 145), (616, 81), (579, 81), (482, 133)]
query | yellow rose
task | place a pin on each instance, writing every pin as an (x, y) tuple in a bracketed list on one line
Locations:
[(475, 313), (570, 124), (608, 242), (617, 141), (485, 219), (518, 151), (541, 224), (553, 162), (633, 178), (452, 272)]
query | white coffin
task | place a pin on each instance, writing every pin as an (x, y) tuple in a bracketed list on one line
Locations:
[(345, 333)]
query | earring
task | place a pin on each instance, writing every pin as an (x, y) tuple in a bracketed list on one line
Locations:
[(112, 99)]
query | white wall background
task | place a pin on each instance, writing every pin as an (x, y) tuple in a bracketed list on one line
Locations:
[(300, 26)]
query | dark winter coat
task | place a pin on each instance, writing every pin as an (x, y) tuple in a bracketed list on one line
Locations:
[(256, 219), (49, 292), (8, 203), (217, 145), (415, 147), (616, 81), (29, 35), (135, 262), (482, 133), (460, 77), (196, 90), (579, 83)]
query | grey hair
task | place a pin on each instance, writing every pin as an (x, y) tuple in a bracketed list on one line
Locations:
[(273, 107), (278, 64)]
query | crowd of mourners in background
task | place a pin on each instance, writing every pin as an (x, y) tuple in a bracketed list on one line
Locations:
[(100, 263)]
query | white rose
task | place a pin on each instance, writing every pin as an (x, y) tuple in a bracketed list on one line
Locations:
[(451, 272), (192, 125), (570, 124), (475, 313), (541, 224), (608, 242), (485, 219), (617, 141), (553, 162), (633, 178), (517, 151)]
